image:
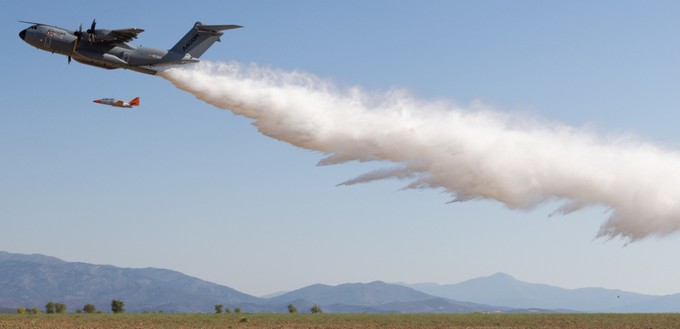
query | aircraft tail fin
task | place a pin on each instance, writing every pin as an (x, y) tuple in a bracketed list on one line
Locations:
[(135, 102), (200, 38)]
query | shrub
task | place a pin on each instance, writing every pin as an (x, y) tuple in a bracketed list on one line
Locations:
[(60, 308), (292, 308), (117, 306), (89, 308), (316, 309)]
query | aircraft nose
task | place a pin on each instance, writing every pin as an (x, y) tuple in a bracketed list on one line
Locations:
[(22, 34)]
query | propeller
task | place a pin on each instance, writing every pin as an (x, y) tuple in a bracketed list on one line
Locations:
[(91, 32), (75, 44)]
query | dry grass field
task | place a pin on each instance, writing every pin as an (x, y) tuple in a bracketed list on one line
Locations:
[(340, 321)]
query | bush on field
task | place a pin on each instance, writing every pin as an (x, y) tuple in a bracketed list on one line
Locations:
[(316, 309), (60, 308), (117, 306), (292, 308), (89, 308)]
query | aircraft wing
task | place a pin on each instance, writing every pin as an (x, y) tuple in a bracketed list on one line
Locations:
[(116, 36)]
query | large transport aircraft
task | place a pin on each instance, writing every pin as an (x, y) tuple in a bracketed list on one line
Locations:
[(109, 49)]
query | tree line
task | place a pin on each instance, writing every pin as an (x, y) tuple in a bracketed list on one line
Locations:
[(219, 308), (117, 306)]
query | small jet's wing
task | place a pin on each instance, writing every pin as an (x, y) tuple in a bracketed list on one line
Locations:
[(116, 36)]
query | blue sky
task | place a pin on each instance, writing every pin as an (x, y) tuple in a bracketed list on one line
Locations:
[(182, 185)]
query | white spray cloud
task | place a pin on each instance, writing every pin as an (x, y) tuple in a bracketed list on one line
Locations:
[(474, 153)]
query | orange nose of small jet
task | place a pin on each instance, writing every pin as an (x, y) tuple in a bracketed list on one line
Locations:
[(98, 101)]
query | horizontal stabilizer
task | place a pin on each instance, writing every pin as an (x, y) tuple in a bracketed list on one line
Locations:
[(216, 28)]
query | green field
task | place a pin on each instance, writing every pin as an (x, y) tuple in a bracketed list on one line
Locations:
[(341, 321)]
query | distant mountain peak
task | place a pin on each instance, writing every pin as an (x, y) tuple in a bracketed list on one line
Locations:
[(30, 258), (501, 276), (365, 294)]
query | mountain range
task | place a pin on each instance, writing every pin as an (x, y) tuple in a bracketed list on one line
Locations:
[(33, 280), (503, 289)]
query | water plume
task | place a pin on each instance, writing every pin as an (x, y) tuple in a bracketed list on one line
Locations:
[(471, 153)]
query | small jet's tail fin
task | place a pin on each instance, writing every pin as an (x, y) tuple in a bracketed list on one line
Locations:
[(135, 102), (200, 38)]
